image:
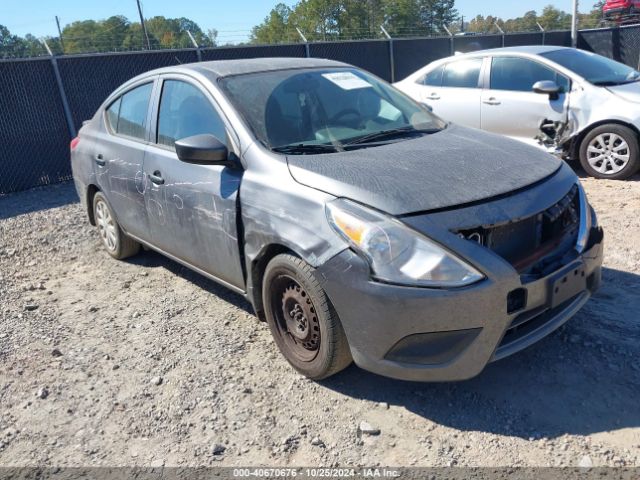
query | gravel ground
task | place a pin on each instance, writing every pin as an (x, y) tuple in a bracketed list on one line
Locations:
[(145, 363)]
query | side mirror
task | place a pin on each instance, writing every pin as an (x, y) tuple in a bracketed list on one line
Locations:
[(548, 87), (203, 149)]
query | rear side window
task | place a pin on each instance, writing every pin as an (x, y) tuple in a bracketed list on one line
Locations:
[(186, 111), (128, 114), (112, 115), (433, 78), (462, 73), (520, 74)]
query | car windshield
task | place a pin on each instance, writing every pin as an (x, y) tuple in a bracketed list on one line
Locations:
[(310, 111), (594, 68)]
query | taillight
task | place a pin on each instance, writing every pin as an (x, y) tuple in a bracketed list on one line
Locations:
[(74, 143)]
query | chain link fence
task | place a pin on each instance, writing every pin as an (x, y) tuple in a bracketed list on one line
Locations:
[(43, 100)]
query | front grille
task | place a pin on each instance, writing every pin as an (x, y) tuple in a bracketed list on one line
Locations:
[(532, 244)]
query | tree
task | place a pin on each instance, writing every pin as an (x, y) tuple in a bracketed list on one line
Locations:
[(275, 28), (554, 19)]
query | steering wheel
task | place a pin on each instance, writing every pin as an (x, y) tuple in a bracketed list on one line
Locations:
[(343, 113)]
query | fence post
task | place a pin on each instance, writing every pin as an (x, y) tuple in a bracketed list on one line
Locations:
[(392, 61), (451, 47), (307, 50), (63, 95), (195, 44), (544, 33), (501, 32)]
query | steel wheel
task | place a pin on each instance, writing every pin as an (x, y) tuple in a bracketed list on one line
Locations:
[(106, 226), (608, 153), (296, 318)]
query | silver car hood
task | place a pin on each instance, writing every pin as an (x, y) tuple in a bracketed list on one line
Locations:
[(453, 167), (629, 92)]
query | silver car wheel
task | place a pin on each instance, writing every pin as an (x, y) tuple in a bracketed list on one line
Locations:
[(608, 153), (106, 226)]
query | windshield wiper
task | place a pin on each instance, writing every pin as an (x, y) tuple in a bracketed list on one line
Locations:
[(305, 149), (389, 134), (612, 83)]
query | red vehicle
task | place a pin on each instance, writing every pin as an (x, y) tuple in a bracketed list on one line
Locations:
[(619, 9)]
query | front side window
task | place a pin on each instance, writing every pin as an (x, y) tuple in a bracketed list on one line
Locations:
[(325, 110), (520, 74), (462, 73), (133, 109), (185, 111)]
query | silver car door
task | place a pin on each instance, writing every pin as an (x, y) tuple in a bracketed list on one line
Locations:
[(192, 208), (510, 106), (119, 153), (458, 98)]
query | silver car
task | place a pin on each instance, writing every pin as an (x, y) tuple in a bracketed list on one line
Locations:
[(576, 103), (357, 223)]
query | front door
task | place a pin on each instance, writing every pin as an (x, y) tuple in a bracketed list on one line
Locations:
[(192, 208), (510, 106)]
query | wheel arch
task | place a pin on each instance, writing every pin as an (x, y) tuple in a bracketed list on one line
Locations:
[(91, 193), (257, 267), (576, 142)]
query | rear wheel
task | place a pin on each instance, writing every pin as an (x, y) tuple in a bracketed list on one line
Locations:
[(115, 241), (304, 324), (610, 151)]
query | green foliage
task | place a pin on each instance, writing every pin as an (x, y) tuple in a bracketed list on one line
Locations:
[(353, 19), (550, 18), (112, 34)]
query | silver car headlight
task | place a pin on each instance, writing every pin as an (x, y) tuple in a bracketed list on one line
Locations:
[(396, 253), (585, 220)]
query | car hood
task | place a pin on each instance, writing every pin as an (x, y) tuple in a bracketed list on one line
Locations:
[(629, 92), (453, 167)]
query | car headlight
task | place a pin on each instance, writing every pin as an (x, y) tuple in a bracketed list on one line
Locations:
[(586, 220), (396, 253)]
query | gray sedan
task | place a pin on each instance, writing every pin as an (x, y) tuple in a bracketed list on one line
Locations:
[(575, 103), (359, 225)]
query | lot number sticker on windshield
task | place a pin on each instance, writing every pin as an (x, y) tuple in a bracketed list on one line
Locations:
[(346, 80)]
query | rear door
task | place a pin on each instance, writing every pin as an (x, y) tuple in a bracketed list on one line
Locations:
[(453, 91), (192, 208), (119, 154), (509, 104)]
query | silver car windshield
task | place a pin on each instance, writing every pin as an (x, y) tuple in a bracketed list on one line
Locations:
[(594, 68), (310, 111)]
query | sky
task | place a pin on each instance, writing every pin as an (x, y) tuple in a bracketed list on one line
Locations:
[(232, 18)]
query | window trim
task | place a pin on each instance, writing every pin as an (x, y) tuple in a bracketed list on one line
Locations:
[(146, 81), (543, 64), (232, 136)]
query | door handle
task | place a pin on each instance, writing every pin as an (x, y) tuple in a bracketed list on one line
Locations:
[(156, 177), (433, 96), (100, 160), (492, 101)]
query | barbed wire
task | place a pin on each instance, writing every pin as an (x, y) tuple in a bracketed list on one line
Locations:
[(103, 42)]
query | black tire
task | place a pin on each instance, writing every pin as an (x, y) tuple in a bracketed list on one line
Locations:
[(295, 301), (604, 134), (115, 241)]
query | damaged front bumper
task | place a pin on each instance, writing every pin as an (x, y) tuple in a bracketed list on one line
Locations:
[(430, 334), (423, 334)]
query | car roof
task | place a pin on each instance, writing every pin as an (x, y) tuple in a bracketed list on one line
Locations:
[(224, 68), (526, 49)]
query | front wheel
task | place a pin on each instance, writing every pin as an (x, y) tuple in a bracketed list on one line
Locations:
[(304, 324), (610, 151)]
